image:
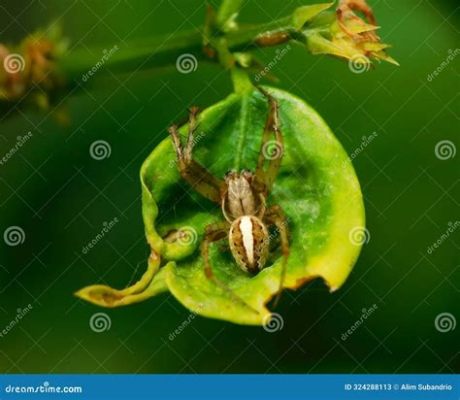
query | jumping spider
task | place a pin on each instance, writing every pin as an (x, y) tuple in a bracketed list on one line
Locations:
[(242, 197)]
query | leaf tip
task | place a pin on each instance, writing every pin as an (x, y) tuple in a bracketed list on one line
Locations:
[(99, 295)]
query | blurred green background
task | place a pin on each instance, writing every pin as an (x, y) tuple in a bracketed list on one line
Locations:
[(61, 197)]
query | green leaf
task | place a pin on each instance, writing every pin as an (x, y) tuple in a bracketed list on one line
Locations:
[(151, 283), (317, 187), (304, 14)]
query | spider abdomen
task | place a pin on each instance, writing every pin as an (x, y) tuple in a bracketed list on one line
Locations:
[(249, 243)]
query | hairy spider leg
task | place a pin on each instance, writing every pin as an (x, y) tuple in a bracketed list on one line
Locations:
[(267, 176), (191, 171), (275, 215)]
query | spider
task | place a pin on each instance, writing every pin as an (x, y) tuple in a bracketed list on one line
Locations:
[(242, 196)]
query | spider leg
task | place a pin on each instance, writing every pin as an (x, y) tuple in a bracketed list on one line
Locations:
[(275, 215), (214, 233), (271, 151), (192, 127), (191, 171)]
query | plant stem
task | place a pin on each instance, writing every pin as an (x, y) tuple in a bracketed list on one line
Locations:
[(227, 12), (159, 52), (132, 56), (220, 40), (241, 82)]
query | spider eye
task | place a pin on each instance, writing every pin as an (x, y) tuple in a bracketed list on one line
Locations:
[(246, 173), (230, 173)]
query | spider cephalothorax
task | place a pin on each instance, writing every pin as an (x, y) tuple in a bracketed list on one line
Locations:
[(242, 197)]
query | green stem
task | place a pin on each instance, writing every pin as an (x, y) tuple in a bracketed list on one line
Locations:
[(159, 52), (133, 56), (228, 11), (219, 40), (241, 82)]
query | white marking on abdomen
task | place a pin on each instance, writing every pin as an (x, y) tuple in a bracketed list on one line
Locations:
[(248, 239)]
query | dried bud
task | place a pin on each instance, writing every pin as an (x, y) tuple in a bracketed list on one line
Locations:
[(29, 68), (350, 33)]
